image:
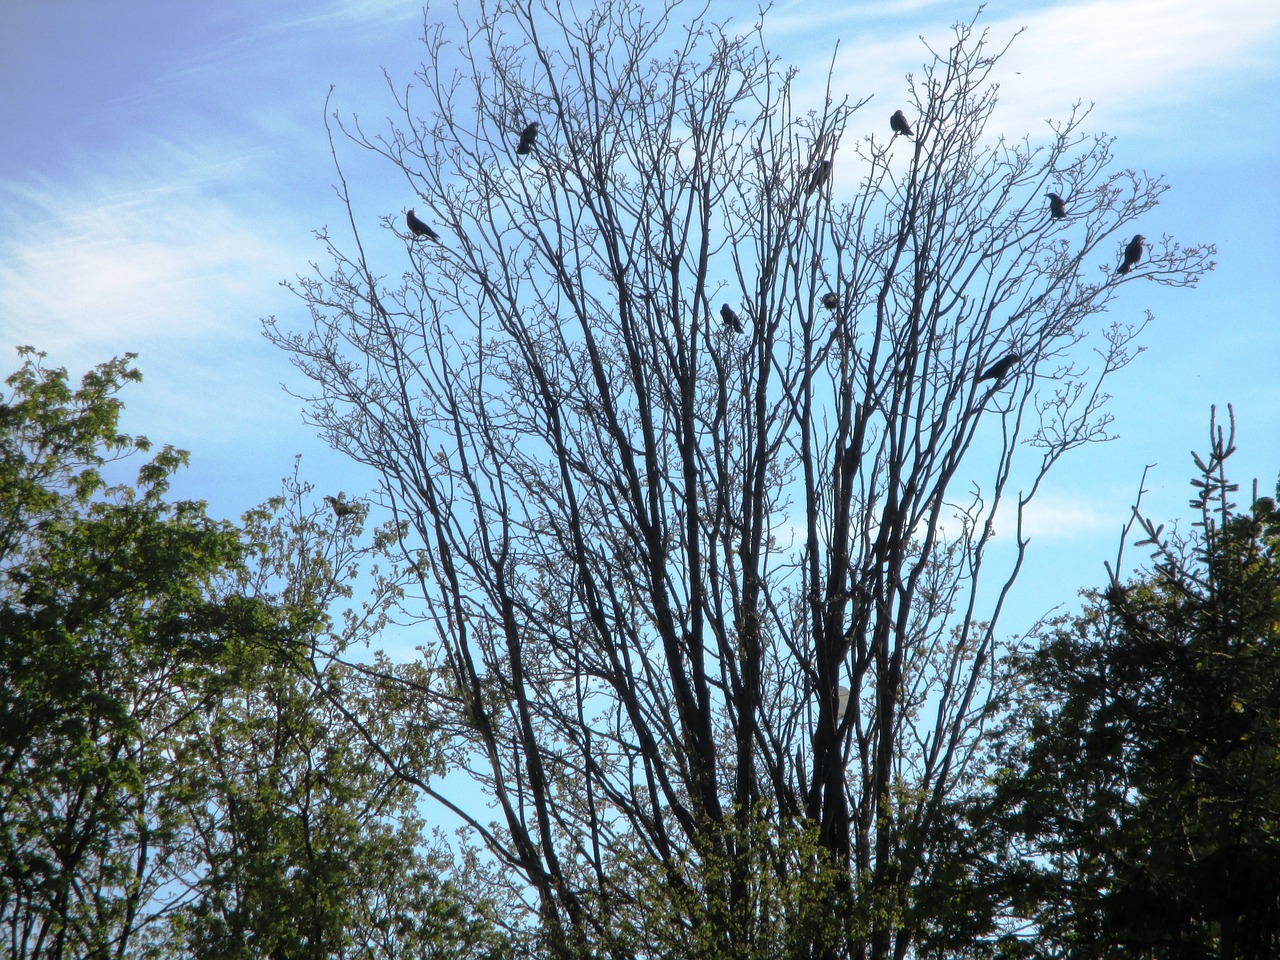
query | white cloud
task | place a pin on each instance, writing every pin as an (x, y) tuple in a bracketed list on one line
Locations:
[(146, 249), (348, 16), (1062, 517), (1132, 58), (161, 249)]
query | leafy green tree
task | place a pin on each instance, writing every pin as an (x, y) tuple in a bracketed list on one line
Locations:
[(308, 847), (175, 778), (1142, 817), (110, 643), (308, 850)]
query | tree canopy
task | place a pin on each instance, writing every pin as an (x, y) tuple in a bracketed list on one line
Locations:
[(700, 606), (174, 777), (1143, 812), (110, 643)]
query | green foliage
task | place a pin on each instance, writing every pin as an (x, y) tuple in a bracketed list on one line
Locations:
[(1142, 817), (174, 777), (762, 889), (110, 643), (310, 849)]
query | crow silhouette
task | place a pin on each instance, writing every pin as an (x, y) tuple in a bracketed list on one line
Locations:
[(998, 369), (341, 509), (1132, 254), (420, 229), (830, 301), (899, 124), (821, 174), (730, 318), (1057, 206), (527, 136)]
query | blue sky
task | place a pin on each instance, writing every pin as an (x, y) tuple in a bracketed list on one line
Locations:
[(163, 166)]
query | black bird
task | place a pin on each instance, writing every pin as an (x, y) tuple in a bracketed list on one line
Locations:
[(998, 369), (420, 229), (1132, 254), (341, 509), (821, 174), (730, 318), (830, 301), (899, 124), (527, 136), (1057, 206)]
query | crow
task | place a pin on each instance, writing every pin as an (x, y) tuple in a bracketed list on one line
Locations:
[(821, 173), (341, 509), (998, 369), (1132, 254), (830, 301), (1057, 206), (730, 318), (420, 229), (527, 136), (899, 124)]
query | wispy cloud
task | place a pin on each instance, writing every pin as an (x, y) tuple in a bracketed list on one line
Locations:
[(158, 248), (1130, 58), (348, 14), (154, 251), (166, 227), (1053, 516), (1135, 57)]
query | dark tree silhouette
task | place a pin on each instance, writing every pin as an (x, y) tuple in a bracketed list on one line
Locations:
[(649, 555), (1140, 814)]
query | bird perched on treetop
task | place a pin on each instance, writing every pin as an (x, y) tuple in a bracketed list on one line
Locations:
[(420, 229), (730, 318), (899, 124), (1132, 254), (821, 173), (341, 509), (998, 369), (1057, 206), (527, 136), (830, 301)]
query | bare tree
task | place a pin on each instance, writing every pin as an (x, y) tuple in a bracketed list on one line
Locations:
[(708, 613)]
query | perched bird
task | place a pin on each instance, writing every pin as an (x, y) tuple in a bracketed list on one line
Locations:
[(341, 509), (730, 318), (527, 136), (1132, 254), (420, 229), (821, 174), (1057, 206), (998, 369), (830, 301), (899, 123)]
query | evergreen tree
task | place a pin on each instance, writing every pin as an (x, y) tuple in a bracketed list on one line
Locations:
[(1142, 817)]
